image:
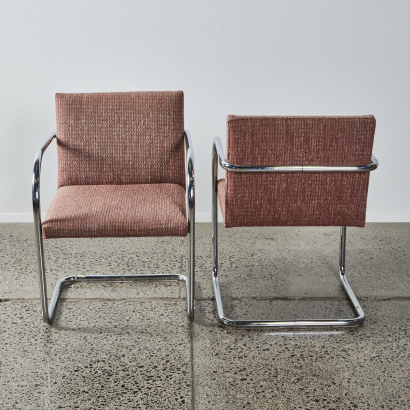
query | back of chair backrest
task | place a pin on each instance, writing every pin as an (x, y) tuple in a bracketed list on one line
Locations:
[(274, 199), (120, 138)]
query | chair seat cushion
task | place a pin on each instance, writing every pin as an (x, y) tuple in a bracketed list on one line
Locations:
[(90, 211)]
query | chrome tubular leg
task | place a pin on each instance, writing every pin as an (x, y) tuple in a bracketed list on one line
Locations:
[(342, 273), (342, 251), (190, 284), (214, 235), (41, 272), (39, 237), (214, 213), (215, 278), (280, 323)]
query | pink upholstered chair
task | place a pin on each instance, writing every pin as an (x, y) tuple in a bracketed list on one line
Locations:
[(125, 169), (293, 171)]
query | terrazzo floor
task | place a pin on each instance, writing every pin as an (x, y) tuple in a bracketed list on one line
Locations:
[(130, 346)]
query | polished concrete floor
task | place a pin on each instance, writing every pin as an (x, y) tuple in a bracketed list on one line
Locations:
[(126, 346)]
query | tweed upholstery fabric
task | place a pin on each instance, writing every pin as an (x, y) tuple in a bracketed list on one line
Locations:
[(117, 211), (297, 199), (120, 138), (221, 192)]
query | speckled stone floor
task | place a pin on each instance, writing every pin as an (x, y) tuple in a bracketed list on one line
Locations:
[(126, 346)]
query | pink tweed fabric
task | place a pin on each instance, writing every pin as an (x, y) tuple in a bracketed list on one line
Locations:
[(120, 138), (121, 166), (297, 199), (117, 211)]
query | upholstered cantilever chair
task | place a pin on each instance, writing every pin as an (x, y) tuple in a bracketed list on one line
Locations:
[(293, 171), (125, 169)]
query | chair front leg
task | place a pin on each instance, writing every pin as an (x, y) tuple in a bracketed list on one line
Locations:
[(215, 279), (191, 252), (38, 230), (190, 204)]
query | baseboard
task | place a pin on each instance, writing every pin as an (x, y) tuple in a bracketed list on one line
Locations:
[(14, 218), (206, 217), (388, 217)]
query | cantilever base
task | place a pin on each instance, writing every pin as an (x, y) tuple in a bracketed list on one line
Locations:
[(69, 280), (356, 321), (295, 323)]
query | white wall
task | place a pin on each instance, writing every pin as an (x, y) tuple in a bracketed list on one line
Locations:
[(293, 57)]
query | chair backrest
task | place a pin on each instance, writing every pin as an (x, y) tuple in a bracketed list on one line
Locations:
[(120, 138), (298, 199)]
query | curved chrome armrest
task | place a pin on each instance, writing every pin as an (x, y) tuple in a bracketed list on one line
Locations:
[(218, 156), (220, 152), (289, 168), (190, 216), (36, 177), (190, 179)]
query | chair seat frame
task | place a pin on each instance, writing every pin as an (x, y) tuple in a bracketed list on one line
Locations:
[(218, 158), (48, 310)]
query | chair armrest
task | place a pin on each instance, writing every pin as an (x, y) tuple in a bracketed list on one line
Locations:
[(190, 179), (219, 152), (36, 178), (219, 155)]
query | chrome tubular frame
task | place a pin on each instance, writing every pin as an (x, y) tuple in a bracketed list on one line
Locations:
[(48, 311), (190, 209), (218, 156), (39, 232)]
